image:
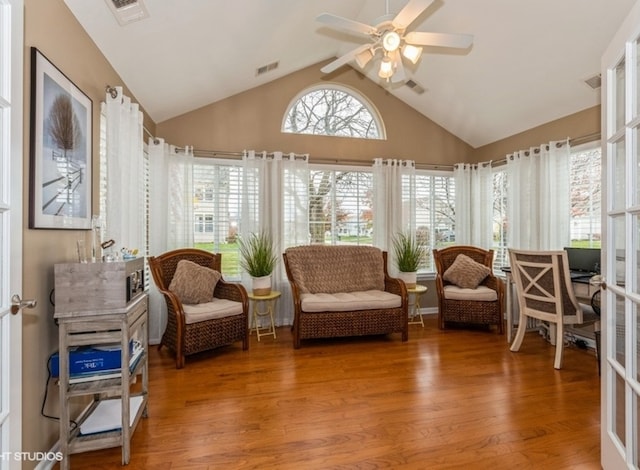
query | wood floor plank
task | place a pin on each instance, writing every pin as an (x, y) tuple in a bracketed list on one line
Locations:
[(443, 400)]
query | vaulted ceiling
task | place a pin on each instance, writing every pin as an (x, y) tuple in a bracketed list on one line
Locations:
[(527, 65)]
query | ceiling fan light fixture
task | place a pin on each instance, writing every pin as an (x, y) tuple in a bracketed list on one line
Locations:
[(390, 41), (363, 58), (412, 53), (386, 68)]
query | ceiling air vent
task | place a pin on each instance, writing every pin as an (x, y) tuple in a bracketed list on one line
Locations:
[(266, 68), (127, 11), (414, 86), (594, 82)]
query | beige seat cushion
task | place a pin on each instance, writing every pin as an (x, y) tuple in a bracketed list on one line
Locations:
[(348, 301), (480, 293), (218, 308)]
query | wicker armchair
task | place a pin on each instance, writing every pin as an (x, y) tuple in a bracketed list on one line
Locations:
[(185, 334), (483, 305)]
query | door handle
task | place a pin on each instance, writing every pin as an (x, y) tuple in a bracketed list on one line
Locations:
[(17, 303)]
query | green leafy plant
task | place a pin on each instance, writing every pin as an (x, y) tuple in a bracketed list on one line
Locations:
[(257, 254), (408, 252)]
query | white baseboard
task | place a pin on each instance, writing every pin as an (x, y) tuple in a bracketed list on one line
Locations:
[(49, 464)]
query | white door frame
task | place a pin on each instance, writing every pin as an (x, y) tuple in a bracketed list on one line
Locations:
[(621, 240), (11, 222)]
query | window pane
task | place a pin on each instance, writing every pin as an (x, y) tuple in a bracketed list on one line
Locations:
[(619, 95), (217, 196), (435, 213), (619, 190), (585, 198), (332, 111), (501, 255), (340, 207), (619, 240)]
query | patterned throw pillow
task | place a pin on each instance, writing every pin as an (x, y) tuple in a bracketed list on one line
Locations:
[(194, 284), (466, 273)]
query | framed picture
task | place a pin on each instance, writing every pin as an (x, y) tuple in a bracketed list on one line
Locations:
[(60, 151)]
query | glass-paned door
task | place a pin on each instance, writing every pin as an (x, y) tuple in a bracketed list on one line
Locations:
[(11, 67), (621, 244)]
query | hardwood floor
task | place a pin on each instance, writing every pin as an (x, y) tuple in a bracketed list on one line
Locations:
[(443, 400)]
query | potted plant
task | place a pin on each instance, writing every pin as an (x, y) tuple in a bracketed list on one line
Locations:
[(408, 254), (258, 258)]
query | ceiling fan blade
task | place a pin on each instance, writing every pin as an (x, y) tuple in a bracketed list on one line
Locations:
[(410, 12), (342, 60), (461, 41), (345, 24), (399, 74)]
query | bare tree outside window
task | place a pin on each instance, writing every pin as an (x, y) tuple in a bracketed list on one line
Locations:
[(435, 213), (585, 190), (500, 221), (332, 111), (340, 207)]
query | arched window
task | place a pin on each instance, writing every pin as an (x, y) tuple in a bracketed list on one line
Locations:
[(333, 110)]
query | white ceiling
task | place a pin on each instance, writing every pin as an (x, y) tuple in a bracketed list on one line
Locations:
[(527, 65)]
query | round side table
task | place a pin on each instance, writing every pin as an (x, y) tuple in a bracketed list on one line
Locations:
[(415, 317), (263, 306)]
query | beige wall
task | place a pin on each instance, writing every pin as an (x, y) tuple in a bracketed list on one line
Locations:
[(585, 123), (50, 27), (252, 120)]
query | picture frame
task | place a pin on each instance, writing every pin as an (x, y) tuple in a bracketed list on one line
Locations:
[(60, 180)]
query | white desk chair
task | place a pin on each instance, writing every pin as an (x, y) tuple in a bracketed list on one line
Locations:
[(545, 292)]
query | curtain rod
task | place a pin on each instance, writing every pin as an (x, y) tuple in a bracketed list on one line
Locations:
[(575, 141), (420, 166), (230, 155), (113, 92)]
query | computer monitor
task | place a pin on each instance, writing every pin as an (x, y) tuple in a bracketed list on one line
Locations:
[(586, 260)]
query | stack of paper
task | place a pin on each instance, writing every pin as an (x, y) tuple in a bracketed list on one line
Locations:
[(108, 416)]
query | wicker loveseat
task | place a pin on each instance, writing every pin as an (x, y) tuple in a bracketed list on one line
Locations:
[(344, 291)]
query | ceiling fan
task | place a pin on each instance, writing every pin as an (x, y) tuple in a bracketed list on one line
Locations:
[(391, 39)]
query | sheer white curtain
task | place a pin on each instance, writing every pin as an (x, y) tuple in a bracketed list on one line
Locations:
[(124, 218), (170, 215), (393, 203), (474, 204), (276, 200), (538, 197), (171, 196)]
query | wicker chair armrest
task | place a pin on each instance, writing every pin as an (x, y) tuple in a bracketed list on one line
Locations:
[(295, 295), (395, 286), (231, 291), (492, 282), (173, 304)]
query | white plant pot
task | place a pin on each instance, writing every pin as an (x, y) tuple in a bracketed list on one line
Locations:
[(261, 285), (410, 279)]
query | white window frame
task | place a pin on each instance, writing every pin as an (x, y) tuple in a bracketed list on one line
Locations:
[(373, 111)]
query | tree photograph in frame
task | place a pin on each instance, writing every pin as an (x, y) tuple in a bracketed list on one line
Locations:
[(60, 150)]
